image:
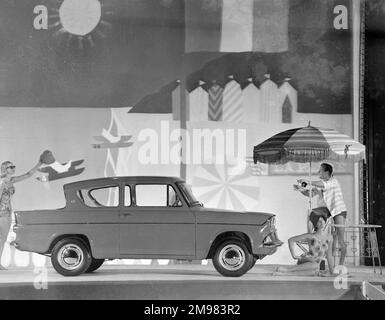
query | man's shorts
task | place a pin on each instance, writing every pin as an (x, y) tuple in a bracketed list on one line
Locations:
[(343, 213), (316, 213)]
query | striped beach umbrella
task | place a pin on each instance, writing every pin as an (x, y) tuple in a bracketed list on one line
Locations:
[(308, 144)]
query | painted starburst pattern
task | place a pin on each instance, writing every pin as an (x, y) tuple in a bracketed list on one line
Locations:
[(215, 187)]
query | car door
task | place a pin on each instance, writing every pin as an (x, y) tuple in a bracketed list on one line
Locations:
[(100, 218), (155, 225)]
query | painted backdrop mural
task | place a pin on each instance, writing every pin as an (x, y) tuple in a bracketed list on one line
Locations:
[(98, 84), (115, 52)]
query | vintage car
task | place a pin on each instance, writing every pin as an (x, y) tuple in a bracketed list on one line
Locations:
[(143, 217)]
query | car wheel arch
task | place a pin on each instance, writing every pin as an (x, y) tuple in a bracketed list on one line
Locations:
[(226, 235)]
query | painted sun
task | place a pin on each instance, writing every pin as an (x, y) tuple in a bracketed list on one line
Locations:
[(81, 21)]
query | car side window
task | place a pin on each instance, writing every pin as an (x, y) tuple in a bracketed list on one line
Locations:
[(156, 195), (127, 196), (151, 195), (100, 197)]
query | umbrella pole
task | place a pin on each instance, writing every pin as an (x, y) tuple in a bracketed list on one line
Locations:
[(311, 188)]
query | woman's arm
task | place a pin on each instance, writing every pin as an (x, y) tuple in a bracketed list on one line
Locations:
[(26, 175), (292, 241)]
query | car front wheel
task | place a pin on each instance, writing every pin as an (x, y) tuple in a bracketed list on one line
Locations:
[(71, 257), (232, 258), (253, 262)]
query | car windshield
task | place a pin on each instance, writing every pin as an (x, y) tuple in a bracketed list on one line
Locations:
[(186, 190)]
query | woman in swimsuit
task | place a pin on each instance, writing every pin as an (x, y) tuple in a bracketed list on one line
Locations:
[(320, 247), (7, 179)]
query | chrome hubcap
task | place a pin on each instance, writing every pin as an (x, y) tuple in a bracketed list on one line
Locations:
[(232, 257), (70, 256)]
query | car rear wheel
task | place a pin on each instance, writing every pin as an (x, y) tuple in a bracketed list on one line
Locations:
[(232, 258), (71, 257), (95, 264)]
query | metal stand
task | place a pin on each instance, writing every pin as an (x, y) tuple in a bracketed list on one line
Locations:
[(369, 233)]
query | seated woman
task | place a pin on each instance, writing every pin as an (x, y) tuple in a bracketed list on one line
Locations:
[(320, 247)]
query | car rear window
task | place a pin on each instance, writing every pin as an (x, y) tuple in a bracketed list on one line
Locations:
[(100, 197)]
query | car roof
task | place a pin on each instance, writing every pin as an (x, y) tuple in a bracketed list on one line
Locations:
[(119, 179)]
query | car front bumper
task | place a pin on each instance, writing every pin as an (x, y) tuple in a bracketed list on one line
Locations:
[(270, 245)]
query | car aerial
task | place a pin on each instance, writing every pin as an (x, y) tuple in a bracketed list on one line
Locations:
[(143, 218)]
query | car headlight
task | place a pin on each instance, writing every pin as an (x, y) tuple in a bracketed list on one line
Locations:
[(269, 225), (272, 222)]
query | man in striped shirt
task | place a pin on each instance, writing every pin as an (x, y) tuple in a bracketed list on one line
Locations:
[(332, 195)]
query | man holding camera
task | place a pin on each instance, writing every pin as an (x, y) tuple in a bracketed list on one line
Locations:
[(330, 199)]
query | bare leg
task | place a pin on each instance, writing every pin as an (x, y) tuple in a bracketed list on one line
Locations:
[(334, 245), (304, 269), (5, 224), (340, 219)]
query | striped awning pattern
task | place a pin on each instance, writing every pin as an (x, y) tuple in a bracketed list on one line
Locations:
[(308, 144)]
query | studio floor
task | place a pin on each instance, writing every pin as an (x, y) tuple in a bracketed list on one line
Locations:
[(190, 282)]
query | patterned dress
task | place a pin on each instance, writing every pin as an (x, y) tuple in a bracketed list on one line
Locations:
[(317, 249), (5, 198)]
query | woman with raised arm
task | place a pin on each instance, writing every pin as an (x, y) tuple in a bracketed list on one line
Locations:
[(7, 189)]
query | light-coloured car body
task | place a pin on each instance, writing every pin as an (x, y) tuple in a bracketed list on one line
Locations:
[(187, 232)]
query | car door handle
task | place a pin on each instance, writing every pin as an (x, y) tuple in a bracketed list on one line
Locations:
[(125, 214)]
